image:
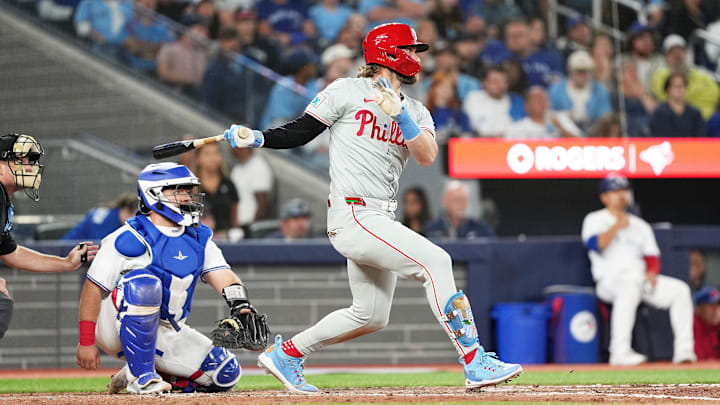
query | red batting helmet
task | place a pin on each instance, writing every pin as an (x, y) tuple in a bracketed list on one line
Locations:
[(382, 43)]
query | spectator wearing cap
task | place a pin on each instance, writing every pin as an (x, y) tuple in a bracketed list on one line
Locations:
[(258, 47), (104, 23), (295, 221), (540, 121), (286, 99), (182, 63), (625, 264), (585, 99), (579, 37), (702, 91), (542, 66), (706, 323), (454, 222), (642, 52), (205, 13), (286, 21), (492, 110), (675, 117), (329, 16), (146, 34), (225, 84)]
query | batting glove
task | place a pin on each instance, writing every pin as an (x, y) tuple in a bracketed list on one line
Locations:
[(243, 137), (387, 98)]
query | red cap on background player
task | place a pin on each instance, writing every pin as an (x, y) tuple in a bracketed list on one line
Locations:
[(382, 43)]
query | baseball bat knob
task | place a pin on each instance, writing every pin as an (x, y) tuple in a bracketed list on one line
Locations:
[(245, 133)]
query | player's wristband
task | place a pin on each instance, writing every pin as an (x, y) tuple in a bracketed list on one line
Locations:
[(87, 333), (259, 139), (235, 293), (409, 128)]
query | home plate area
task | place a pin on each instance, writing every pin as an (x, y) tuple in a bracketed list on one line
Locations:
[(682, 393)]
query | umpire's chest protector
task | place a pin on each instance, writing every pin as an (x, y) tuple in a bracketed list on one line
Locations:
[(176, 261)]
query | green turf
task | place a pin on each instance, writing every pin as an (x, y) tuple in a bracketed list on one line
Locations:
[(397, 380)]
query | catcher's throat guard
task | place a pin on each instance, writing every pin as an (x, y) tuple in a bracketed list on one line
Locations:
[(23, 153), (459, 317)]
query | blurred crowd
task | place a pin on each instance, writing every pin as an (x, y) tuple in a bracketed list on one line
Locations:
[(260, 61)]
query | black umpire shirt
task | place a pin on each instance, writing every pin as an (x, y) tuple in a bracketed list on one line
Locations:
[(7, 243)]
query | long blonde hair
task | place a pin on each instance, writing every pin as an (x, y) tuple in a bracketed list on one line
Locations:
[(368, 70)]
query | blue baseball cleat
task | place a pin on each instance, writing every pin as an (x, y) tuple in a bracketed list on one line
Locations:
[(486, 369), (287, 369)]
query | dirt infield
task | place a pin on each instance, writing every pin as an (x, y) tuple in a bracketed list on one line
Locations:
[(657, 394)]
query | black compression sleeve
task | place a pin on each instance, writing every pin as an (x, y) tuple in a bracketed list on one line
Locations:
[(294, 133)]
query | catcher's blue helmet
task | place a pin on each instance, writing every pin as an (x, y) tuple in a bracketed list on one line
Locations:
[(614, 181), (158, 177)]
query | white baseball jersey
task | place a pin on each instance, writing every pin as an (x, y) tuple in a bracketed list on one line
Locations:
[(109, 263), (624, 255), (367, 150)]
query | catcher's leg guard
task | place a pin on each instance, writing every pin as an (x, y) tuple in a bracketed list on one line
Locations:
[(220, 371), (459, 317), (139, 319)]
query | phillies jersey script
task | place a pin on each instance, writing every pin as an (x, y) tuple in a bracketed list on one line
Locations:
[(367, 149)]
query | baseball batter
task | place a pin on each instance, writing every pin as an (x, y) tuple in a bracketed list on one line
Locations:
[(625, 265), (139, 292), (374, 129)]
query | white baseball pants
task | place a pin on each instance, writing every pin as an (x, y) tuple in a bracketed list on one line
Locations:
[(626, 293), (378, 250)]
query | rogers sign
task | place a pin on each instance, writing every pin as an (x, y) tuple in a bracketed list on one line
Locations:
[(521, 158), (587, 157)]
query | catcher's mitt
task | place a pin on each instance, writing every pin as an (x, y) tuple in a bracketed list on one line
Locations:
[(242, 331)]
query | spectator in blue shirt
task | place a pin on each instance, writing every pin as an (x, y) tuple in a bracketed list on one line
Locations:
[(584, 98), (100, 222), (676, 118), (447, 61), (146, 34), (329, 16), (496, 13), (454, 222), (104, 22), (542, 66), (284, 102), (286, 21)]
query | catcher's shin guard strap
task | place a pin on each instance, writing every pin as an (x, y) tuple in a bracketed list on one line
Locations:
[(459, 317)]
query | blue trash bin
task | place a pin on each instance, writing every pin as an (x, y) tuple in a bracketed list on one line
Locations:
[(521, 331), (574, 324)]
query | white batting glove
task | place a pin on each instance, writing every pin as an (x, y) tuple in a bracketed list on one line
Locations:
[(243, 137), (387, 98)]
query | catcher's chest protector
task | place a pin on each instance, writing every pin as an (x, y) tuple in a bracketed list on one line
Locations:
[(177, 262)]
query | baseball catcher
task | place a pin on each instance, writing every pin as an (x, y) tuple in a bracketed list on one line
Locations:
[(138, 294)]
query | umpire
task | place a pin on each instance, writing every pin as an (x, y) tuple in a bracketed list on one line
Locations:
[(20, 169)]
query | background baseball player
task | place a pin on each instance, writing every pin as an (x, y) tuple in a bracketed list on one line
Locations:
[(20, 169), (373, 130), (139, 291), (625, 261)]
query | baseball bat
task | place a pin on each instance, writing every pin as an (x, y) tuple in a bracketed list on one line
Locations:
[(175, 148)]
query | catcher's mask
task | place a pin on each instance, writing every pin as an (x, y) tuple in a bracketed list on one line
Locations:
[(23, 153), (184, 205)]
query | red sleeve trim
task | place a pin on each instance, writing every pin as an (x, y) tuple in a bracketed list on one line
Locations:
[(652, 264)]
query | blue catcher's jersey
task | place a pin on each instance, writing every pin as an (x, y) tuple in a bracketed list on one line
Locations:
[(176, 261)]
